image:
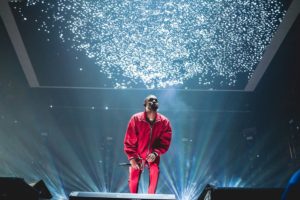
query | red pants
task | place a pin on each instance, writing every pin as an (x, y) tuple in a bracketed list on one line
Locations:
[(134, 177)]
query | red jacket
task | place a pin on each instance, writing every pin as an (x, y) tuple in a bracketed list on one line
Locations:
[(141, 139)]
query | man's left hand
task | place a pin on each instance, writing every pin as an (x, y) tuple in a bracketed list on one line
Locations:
[(151, 157)]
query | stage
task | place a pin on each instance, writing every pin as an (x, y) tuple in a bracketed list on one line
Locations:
[(76, 195)]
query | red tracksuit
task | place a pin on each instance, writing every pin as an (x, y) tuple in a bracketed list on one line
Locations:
[(141, 139)]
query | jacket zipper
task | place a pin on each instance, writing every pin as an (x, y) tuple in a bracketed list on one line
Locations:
[(151, 127), (150, 139)]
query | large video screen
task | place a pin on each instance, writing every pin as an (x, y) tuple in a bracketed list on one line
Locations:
[(151, 44)]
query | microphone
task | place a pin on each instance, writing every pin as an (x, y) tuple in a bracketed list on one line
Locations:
[(124, 164)]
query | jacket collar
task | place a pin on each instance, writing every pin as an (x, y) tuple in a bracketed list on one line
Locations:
[(157, 117)]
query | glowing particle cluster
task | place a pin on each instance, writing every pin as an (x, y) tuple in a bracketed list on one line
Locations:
[(164, 43)]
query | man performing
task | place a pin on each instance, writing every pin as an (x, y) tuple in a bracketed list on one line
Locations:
[(148, 136)]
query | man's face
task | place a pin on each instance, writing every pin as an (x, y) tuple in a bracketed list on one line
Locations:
[(152, 103)]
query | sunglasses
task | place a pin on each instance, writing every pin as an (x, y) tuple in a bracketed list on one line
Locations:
[(153, 99)]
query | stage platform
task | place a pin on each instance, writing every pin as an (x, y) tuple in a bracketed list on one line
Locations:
[(77, 195)]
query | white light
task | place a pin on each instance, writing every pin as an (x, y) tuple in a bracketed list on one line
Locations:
[(109, 138), (44, 134), (168, 43)]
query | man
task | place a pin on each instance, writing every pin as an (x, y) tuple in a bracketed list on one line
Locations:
[(292, 190), (148, 136)]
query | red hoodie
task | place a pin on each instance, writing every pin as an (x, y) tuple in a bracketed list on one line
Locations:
[(142, 139)]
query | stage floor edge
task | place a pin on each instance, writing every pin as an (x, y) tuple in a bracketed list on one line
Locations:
[(105, 195)]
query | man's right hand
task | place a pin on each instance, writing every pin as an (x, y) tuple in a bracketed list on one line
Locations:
[(134, 164)]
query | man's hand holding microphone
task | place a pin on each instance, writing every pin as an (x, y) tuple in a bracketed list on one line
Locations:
[(140, 165)]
